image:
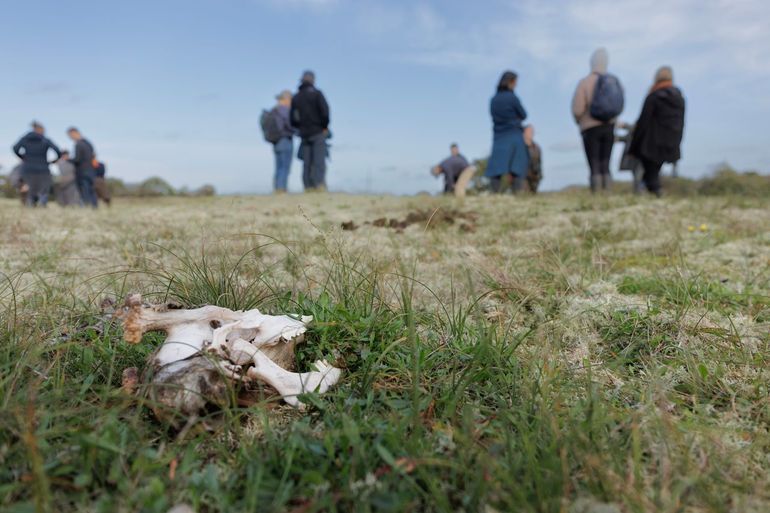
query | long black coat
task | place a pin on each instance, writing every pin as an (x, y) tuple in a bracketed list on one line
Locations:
[(309, 111), (658, 132), (32, 149)]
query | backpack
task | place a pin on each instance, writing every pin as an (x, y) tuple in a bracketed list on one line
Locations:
[(607, 102), (270, 128)]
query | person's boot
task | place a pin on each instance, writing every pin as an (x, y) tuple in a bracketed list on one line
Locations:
[(595, 183), (606, 183)]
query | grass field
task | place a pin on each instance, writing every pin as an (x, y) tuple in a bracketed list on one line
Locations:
[(559, 353)]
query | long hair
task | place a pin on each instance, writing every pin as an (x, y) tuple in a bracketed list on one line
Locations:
[(505, 81)]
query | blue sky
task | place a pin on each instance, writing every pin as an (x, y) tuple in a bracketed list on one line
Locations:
[(174, 88)]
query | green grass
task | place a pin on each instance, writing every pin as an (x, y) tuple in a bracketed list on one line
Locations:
[(508, 385)]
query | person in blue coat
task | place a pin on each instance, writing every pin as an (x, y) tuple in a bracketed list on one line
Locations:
[(33, 150), (509, 152)]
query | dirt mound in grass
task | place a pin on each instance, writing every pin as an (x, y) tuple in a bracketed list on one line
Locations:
[(426, 218)]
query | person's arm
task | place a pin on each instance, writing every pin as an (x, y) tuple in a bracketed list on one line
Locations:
[(323, 108), (579, 102), (294, 114), (55, 149), (642, 126), (17, 149), (78, 156), (520, 109)]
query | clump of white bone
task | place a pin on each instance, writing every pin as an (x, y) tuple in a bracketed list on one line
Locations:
[(206, 346)]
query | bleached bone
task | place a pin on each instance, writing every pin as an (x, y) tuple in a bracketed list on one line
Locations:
[(206, 349), (288, 384)]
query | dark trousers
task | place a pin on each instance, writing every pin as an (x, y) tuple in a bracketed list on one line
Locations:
[(651, 177), (314, 161), (598, 145), (500, 184), (86, 187)]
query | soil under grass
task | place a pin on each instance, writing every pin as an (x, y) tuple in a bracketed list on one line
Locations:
[(553, 353)]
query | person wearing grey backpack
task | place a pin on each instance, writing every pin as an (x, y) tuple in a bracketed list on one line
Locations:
[(597, 103)]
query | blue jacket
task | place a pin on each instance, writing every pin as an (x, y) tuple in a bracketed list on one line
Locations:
[(33, 150), (507, 111)]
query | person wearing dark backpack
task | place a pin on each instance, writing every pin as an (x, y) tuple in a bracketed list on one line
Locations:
[(597, 103), (277, 129), (658, 132), (310, 116)]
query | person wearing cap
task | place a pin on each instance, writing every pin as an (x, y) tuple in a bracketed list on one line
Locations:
[(84, 169), (284, 147), (658, 131), (33, 150), (309, 114)]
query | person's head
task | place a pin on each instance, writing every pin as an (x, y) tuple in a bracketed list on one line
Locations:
[(308, 77), (664, 74), (507, 81), (284, 97), (454, 149), (38, 128), (74, 133), (529, 134), (600, 60)]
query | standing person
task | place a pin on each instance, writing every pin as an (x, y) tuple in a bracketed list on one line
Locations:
[(310, 115), (535, 168), (277, 129), (597, 102), (33, 149), (67, 194), (456, 170), (84, 169), (17, 182), (509, 153), (659, 129), (100, 183)]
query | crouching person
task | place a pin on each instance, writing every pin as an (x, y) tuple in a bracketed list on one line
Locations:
[(535, 169), (658, 132), (67, 194), (457, 172)]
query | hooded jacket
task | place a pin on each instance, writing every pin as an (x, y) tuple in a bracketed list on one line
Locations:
[(584, 93), (658, 132), (32, 149), (309, 111)]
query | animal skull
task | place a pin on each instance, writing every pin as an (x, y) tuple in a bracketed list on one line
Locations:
[(208, 347)]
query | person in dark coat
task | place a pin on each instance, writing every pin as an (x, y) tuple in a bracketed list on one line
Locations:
[(33, 150), (84, 168), (309, 114), (509, 153), (658, 132), (535, 168)]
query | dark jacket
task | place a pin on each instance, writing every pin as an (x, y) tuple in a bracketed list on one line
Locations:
[(100, 169), (84, 155), (452, 167), (507, 111), (32, 149), (309, 111), (658, 132)]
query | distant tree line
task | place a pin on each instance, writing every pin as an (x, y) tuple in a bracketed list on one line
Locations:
[(150, 188)]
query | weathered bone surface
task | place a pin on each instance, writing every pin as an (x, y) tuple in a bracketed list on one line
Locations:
[(209, 346)]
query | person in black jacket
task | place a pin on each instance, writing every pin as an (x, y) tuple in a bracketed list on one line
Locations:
[(33, 149), (84, 168), (309, 114), (658, 132)]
